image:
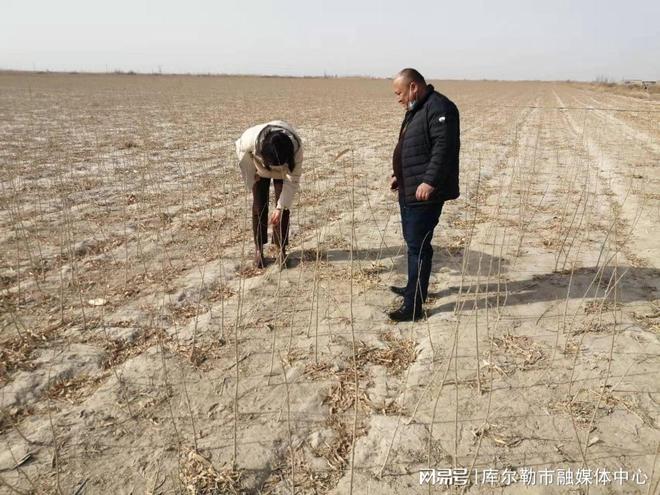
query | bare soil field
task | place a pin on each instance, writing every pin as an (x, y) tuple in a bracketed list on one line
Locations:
[(142, 353)]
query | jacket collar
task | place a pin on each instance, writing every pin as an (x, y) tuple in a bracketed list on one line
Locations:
[(429, 91), (410, 113)]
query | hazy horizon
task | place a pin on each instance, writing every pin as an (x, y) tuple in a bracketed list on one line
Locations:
[(473, 40), (119, 72)]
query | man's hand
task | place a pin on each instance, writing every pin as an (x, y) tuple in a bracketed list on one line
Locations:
[(424, 191), (275, 217), (394, 186)]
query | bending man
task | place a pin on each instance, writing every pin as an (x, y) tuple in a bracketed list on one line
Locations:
[(270, 151)]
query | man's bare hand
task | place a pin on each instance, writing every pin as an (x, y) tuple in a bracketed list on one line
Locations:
[(394, 185), (275, 217), (424, 191)]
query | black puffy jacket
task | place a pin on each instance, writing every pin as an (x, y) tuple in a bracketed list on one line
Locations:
[(430, 145)]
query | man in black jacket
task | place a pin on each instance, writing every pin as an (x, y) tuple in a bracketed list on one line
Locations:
[(425, 175)]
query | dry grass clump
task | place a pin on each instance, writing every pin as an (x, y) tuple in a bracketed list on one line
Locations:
[(294, 354), (311, 254), (521, 349), (342, 395), (374, 268), (388, 408), (582, 405), (220, 293), (141, 282), (199, 477), (119, 351), (571, 347), (11, 416), (455, 245), (16, 352), (199, 354), (249, 271), (74, 390), (494, 433), (474, 381), (650, 321), (6, 281), (335, 241), (460, 223), (305, 479), (15, 355), (396, 357), (319, 371), (331, 272), (550, 242), (187, 310), (591, 325), (369, 276), (336, 453), (129, 144), (203, 224), (600, 306)]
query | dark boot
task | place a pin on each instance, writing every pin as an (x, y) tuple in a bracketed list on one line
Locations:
[(399, 291), (406, 313)]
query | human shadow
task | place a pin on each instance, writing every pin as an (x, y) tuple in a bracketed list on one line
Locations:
[(452, 259), (632, 284), (359, 254)]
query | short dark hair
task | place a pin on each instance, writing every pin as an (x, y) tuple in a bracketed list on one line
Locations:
[(412, 75), (278, 150)]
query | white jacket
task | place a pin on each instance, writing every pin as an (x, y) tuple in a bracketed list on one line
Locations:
[(251, 169)]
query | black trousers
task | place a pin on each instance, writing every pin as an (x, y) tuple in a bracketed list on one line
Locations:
[(260, 193), (418, 223)]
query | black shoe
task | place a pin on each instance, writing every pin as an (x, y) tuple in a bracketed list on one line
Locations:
[(406, 313), (399, 291)]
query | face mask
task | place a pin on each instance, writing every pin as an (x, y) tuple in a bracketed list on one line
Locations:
[(412, 103)]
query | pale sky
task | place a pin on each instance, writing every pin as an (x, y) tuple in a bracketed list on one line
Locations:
[(458, 39)]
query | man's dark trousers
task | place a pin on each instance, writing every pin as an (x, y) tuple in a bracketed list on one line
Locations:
[(260, 193), (418, 222)]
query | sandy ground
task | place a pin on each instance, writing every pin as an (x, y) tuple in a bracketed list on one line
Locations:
[(141, 353)]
